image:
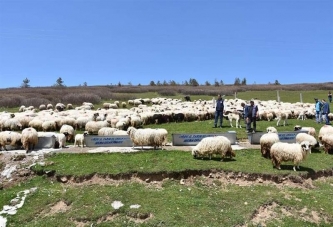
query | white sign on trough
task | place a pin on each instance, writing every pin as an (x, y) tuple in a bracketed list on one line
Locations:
[(108, 141), (186, 139), (287, 137)]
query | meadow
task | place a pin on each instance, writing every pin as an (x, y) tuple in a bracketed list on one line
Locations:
[(170, 187)]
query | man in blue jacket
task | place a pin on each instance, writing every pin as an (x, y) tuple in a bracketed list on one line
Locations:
[(219, 108), (326, 111)]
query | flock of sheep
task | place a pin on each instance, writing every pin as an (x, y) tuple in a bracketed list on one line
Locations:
[(130, 118)]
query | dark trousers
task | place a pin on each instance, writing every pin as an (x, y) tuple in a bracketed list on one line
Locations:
[(249, 121), (218, 115)]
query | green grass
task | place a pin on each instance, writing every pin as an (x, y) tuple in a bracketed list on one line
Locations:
[(203, 202)]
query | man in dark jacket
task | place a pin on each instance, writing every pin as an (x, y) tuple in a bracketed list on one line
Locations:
[(219, 108), (326, 111), (250, 116)]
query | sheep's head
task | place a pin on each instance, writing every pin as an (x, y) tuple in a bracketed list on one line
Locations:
[(230, 153), (305, 145), (85, 133), (195, 152), (297, 127)]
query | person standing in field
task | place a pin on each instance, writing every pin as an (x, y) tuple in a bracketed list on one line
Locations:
[(250, 116), (318, 107), (219, 108), (326, 111), (329, 96)]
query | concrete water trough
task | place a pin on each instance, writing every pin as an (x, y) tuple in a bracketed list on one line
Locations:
[(186, 139), (108, 141), (287, 137)]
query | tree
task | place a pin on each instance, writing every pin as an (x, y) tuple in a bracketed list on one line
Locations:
[(159, 83), (194, 82), (237, 81), (216, 83), (165, 83), (172, 83), (221, 82), (59, 83), (119, 84), (85, 84), (207, 83), (152, 83), (25, 83), (277, 82), (244, 81)]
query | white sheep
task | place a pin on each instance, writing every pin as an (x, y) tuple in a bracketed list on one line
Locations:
[(295, 152), (325, 129), (282, 116), (327, 142), (300, 137), (311, 130), (79, 139), (266, 141), (237, 116), (29, 139), (106, 131), (69, 131), (216, 145), (146, 137), (60, 139), (92, 127), (49, 125), (120, 133), (10, 138)]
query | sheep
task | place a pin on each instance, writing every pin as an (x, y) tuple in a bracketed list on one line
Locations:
[(12, 124), (300, 137), (295, 152), (49, 106), (68, 130), (327, 142), (79, 139), (49, 125), (271, 129), (29, 138), (266, 142), (146, 137), (106, 131), (93, 126), (10, 138), (220, 145), (282, 116), (234, 116), (120, 133), (42, 107), (325, 129), (311, 130)]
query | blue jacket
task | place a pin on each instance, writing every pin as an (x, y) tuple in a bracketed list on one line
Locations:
[(318, 106), (219, 105), (326, 108), (247, 111)]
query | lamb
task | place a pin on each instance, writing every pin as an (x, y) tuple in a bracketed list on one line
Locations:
[(146, 137), (209, 146), (68, 130), (10, 138), (282, 116), (300, 137), (295, 152), (234, 116), (327, 141), (29, 139), (79, 139), (311, 130), (266, 142), (325, 129)]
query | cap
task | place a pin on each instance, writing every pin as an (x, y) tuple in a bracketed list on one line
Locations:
[(315, 98)]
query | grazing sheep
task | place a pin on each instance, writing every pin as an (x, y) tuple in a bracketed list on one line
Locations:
[(282, 116), (271, 129), (300, 137), (49, 126), (146, 137), (12, 124), (92, 127), (311, 130), (29, 139), (68, 130), (295, 152), (217, 145), (49, 106), (79, 139), (120, 133), (266, 142), (42, 107), (10, 138), (325, 129), (327, 141)]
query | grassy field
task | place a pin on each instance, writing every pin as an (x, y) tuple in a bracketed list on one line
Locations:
[(173, 189)]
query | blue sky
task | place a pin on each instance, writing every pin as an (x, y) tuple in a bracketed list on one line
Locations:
[(104, 42)]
